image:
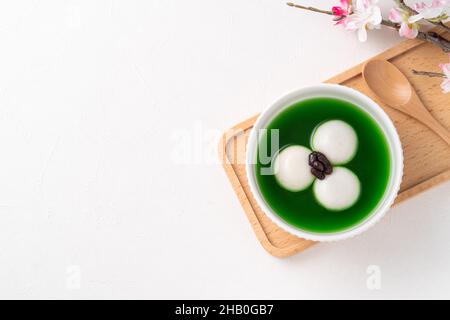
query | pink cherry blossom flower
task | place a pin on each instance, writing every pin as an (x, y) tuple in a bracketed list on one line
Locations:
[(433, 10), (366, 16), (446, 84), (407, 29), (341, 13)]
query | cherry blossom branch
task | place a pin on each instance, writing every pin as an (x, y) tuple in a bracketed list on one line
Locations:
[(436, 39), (290, 4), (431, 37), (386, 23), (443, 25), (429, 74), (402, 5)]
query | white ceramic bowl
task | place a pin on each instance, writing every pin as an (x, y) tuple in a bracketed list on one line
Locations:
[(358, 99)]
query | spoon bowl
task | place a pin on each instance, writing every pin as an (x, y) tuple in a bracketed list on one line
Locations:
[(387, 82)]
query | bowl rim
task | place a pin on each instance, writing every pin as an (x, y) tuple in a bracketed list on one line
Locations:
[(369, 106)]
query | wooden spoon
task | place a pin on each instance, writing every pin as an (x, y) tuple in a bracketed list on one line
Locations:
[(393, 88)]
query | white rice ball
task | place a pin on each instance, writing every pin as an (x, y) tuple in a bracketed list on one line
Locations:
[(292, 170), (337, 140), (338, 191)]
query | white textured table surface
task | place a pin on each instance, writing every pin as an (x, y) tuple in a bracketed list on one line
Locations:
[(109, 181)]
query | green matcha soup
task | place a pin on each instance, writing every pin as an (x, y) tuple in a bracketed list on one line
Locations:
[(370, 163)]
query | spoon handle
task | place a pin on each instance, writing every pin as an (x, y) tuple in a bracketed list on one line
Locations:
[(422, 114), (437, 128)]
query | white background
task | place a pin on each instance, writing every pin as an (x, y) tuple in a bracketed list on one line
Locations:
[(96, 197)]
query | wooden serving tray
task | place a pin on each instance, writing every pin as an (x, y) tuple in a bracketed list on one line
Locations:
[(427, 157)]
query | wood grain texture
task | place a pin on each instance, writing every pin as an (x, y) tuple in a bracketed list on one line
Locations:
[(427, 156)]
